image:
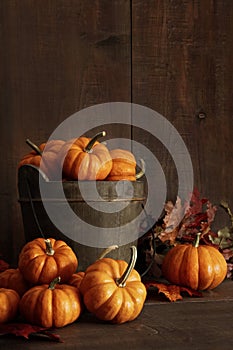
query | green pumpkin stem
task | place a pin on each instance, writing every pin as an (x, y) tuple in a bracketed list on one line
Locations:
[(34, 147), (53, 284), (89, 146), (197, 241), (142, 171), (121, 282), (49, 249), (107, 250)]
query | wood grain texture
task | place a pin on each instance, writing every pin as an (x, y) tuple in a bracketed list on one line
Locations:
[(191, 323), (57, 57), (181, 57)]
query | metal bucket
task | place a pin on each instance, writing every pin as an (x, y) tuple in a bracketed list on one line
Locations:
[(37, 222)]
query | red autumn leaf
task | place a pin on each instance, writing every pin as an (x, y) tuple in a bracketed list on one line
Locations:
[(25, 330), (3, 265), (171, 291), (196, 203)]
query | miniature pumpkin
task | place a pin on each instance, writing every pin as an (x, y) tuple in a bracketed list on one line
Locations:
[(124, 166), (86, 159), (42, 260), (112, 289), (13, 279), (51, 305), (9, 302), (199, 267), (50, 161), (76, 279)]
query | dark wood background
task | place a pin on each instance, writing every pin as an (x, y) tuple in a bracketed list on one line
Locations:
[(60, 56)]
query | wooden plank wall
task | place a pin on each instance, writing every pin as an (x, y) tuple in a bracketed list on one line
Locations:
[(182, 57), (58, 57)]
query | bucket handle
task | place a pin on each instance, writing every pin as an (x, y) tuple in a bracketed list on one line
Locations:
[(153, 244), (33, 208)]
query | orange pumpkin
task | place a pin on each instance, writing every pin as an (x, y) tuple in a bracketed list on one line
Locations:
[(112, 289), (51, 305), (50, 162), (199, 267), (42, 260), (13, 279), (76, 279), (123, 165), (9, 302), (86, 159)]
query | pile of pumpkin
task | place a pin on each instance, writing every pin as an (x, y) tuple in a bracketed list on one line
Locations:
[(83, 158), (46, 289)]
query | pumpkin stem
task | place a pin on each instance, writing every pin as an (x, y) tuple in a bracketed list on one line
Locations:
[(34, 147), (121, 282), (49, 249), (197, 241), (107, 250), (142, 171), (52, 284), (89, 146)]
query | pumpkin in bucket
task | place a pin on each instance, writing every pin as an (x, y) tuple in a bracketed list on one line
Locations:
[(124, 166), (49, 163), (200, 267), (42, 260), (86, 159), (112, 289)]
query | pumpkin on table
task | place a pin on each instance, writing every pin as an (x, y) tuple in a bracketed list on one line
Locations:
[(51, 305), (13, 279), (42, 260), (112, 289), (45, 157), (200, 267), (86, 159), (9, 303)]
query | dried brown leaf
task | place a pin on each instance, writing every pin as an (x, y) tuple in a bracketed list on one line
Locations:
[(171, 291)]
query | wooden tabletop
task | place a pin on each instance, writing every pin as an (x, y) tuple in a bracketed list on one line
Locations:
[(192, 323)]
